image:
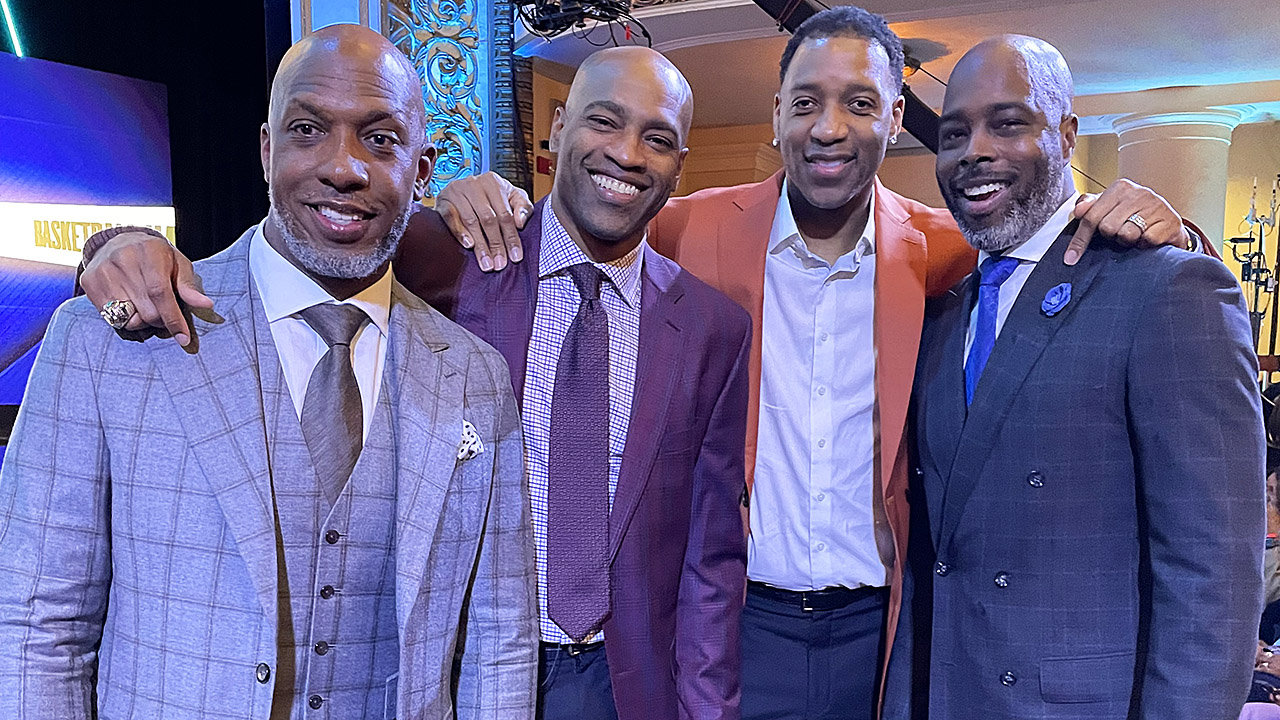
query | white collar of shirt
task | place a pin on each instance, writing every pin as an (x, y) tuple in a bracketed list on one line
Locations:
[(785, 234), (559, 251), (285, 290), (1037, 245)]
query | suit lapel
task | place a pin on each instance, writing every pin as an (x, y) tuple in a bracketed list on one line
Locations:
[(944, 404), (899, 310), (656, 370), (1026, 333), (217, 394), (426, 391)]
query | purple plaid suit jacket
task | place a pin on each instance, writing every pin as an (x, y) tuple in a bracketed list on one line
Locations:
[(676, 537)]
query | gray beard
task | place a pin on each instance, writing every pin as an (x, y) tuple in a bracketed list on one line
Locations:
[(336, 265), (1025, 216)]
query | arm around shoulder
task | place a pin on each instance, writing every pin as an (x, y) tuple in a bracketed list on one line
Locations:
[(1196, 428), (55, 552)]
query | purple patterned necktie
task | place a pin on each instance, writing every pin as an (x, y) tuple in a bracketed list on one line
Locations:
[(578, 468)]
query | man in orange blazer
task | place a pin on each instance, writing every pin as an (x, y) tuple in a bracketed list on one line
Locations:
[(834, 269)]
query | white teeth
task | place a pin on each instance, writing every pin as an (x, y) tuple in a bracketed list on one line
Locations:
[(974, 192), (617, 186), (337, 217)]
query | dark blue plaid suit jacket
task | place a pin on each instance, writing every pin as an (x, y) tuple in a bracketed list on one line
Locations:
[(1088, 535)]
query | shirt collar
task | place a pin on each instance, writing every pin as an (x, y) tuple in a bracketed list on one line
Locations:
[(785, 233), (286, 290), (559, 251), (1038, 244)]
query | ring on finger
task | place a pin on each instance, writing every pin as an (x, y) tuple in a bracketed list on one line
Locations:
[(117, 313), (1138, 220)]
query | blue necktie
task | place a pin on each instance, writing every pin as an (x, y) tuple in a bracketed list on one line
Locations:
[(994, 271)]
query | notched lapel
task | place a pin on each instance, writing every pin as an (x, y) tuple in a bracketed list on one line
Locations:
[(426, 392), (657, 368), (217, 393), (1026, 333), (942, 400)]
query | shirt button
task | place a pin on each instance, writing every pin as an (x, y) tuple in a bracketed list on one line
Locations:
[(823, 337), (332, 538), (264, 673), (822, 443), (326, 592), (1008, 679), (822, 390), (315, 701), (322, 648), (1035, 479), (1002, 579), (822, 546), (821, 497), (941, 569)]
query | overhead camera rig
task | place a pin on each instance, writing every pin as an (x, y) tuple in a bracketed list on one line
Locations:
[(549, 18)]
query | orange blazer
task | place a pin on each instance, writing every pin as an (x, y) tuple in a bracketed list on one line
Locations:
[(721, 235)]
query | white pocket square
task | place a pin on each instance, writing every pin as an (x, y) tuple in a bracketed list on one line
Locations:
[(470, 445)]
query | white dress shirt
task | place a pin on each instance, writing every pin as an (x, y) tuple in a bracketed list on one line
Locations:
[(556, 307), (1028, 253), (285, 290), (812, 520)]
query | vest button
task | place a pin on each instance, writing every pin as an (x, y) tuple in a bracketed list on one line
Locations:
[(322, 648), (264, 673), (1035, 479), (942, 569), (1008, 679), (1002, 579), (315, 701), (326, 592), (332, 538)]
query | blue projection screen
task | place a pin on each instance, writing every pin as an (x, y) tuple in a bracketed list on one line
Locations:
[(80, 150)]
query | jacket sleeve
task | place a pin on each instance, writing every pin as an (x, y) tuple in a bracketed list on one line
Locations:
[(713, 581), (55, 552), (498, 676), (1196, 428)]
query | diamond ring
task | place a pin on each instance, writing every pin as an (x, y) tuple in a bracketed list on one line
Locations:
[(117, 313)]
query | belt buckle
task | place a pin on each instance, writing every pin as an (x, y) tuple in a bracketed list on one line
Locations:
[(575, 649), (804, 602)]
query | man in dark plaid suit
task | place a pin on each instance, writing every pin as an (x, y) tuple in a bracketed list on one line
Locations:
[(317, 507), (1090, 446)]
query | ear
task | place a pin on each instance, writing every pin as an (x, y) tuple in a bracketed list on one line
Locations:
[(426, 163), (680, 166), (1068, 130), (777, 116), (899, 108), (264, 148), (557, 127)]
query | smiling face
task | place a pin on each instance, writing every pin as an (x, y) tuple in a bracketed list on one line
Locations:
[(620, 144), (342, 152), (1003, 161), (833, 117)]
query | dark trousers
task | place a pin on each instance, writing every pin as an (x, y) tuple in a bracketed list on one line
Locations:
[(820, 664), (574, 685)]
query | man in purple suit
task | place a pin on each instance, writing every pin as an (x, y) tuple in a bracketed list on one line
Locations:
[(632, 377)]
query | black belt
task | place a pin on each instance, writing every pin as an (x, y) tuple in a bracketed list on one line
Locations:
[(831, 598), (572, 648)]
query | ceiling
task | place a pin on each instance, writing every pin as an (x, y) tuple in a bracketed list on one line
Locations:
[(729, 49)]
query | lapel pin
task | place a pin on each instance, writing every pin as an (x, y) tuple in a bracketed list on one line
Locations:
[(1056, 299)]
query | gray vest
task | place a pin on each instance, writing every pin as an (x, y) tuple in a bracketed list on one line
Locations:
[(338, 642)]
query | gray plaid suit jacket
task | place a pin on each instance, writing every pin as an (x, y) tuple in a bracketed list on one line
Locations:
[(138, 561), (1087, 535)]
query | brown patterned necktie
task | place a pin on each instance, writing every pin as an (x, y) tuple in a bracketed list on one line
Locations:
[(332, 412)]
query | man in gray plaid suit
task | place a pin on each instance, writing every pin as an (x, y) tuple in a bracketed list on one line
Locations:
[(1090, 448), (316, 509)]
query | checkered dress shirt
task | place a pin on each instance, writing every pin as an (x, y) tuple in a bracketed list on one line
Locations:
[(557, 305)]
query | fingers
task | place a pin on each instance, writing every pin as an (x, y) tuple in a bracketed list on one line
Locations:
[(501, 227), (189, 285), (521, 205), (485, 212), (453, 220), (141, 269), (472, 229)]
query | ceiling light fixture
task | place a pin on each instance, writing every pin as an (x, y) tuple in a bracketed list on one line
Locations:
[(13, 30)]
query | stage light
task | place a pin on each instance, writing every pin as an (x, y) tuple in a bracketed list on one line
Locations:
[(13, 30)]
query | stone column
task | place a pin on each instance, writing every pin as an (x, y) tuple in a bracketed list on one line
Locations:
[(1182, 156)]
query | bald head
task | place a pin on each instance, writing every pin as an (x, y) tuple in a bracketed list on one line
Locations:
[(356, 52), (611, 67), (1038, 62)]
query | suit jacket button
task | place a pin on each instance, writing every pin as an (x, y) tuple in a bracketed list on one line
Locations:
[(332, 537), (1035, 479), (919, 472), (264, 673), (322, 648), (1002, 579), (1008, 679), (326, 592), (315, 701), (942, 569)]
